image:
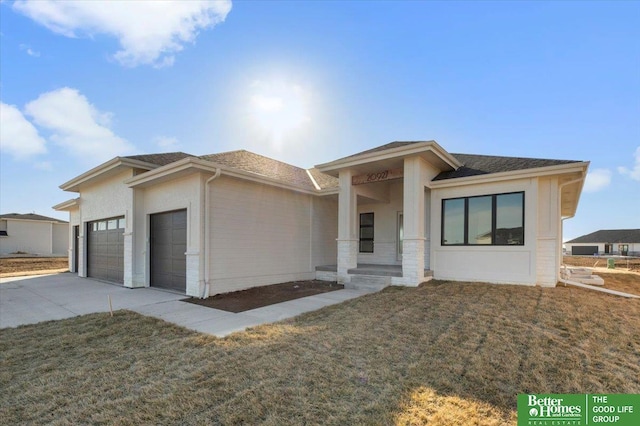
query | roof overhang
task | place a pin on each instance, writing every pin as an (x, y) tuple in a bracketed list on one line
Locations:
[(172, 171), (105, 170), (571, 180), (393, 158), (72, 204)]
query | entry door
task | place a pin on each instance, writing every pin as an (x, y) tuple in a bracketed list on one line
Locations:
[(168, 248), (76, 247)]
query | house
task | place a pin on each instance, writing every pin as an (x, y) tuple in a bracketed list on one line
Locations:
[(33, 234), (622, 242), (400, 213)]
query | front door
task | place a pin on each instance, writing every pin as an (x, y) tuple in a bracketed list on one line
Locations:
[(168, 248)]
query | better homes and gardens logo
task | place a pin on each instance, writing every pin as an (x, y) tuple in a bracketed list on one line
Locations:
[(578, 409)]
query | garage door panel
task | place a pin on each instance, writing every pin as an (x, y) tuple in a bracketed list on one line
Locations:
[(168, 247), (105, 249)]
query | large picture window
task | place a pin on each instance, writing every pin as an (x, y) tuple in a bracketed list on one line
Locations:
[(484, 220), (366, 233)]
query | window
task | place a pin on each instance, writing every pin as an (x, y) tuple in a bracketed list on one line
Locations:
[(366, 233), (484, 220)]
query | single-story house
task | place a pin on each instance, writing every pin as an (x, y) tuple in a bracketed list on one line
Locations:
[(404, 211), (621, 242), (33, 234)]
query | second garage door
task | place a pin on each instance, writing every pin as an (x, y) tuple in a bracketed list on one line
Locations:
[(168, 247)]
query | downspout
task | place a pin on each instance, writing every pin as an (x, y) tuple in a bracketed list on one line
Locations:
[(207, 231), (562, 185)]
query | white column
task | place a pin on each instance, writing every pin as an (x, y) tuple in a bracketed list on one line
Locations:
[(129, 253), (414, 232), (347, 227)]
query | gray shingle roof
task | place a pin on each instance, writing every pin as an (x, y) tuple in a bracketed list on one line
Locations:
[(268, 167), (30, 216), (390, 145), (474, 165), (627, 236), (160, 159)]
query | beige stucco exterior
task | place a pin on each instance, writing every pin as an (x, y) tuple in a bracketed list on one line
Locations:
[(246, 230), (38, 237)]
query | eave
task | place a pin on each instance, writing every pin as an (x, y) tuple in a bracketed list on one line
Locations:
[(104, 170), (578, 167), (175, 170), (72, 204), (431, 151)]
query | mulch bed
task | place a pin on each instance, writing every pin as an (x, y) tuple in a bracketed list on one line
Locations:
[(257, 297)]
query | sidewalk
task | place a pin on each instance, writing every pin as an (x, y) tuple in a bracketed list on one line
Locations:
[(29, 300)]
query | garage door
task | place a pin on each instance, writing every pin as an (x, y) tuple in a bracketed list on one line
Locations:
[(584, 250), (105, 249), (168, 247)]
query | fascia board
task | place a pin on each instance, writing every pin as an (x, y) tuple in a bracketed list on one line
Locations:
[(170, 169), (66, 205), (112, 164), (404, 150), (516, 174)]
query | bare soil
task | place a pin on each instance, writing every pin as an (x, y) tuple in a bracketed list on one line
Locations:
[(257, 297), (24, 265), (631, 263)]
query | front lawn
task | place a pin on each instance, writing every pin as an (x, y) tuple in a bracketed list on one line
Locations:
[(445, 353)]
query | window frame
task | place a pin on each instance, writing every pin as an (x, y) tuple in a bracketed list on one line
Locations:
[(361, 227), (494, 215)]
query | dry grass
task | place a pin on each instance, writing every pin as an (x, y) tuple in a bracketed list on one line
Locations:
[(445, 353), (15, 266)]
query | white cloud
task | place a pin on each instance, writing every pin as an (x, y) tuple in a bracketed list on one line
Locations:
[(635, 172), (77, 125), (597, 179), (149, 32), (166, 142), (29, 50), (17, 135)]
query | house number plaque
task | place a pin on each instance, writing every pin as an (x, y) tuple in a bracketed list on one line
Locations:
[(377, 176)]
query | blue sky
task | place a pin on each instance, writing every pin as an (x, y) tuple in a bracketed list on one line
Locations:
[(309, 82)]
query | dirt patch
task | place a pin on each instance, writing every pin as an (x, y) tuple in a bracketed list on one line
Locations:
[(257, 297), (16, 266), (630, 264)]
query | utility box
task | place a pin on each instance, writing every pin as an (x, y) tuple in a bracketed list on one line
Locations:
[(611, 263)]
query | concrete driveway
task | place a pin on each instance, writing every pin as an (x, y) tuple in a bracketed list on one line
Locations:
[(29, 300)]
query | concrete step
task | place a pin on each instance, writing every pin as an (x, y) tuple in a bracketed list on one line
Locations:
[(372, 283)]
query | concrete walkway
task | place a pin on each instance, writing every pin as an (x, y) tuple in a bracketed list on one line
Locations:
[(29, 300)]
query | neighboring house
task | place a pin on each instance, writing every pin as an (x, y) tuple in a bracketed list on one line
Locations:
[(622, 242), (211, 224), (33, 234)]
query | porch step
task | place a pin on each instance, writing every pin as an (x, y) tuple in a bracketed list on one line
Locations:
[(372, 283)]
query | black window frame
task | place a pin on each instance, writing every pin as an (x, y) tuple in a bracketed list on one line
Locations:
[(494, 214), (372, 227)]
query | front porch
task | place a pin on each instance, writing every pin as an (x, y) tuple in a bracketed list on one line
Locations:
[(367, 276)]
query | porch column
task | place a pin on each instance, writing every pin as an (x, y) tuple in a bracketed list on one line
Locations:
[(347, 229), (415, 174)]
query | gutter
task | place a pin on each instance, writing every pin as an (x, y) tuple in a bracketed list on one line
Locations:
[(207, 230)]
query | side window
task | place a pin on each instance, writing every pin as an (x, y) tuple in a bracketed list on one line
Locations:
[(366, 233)]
